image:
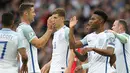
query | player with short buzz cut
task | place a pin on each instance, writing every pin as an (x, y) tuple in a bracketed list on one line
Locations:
[(32, 42), (98, 39), (122, 51), (11, 43)]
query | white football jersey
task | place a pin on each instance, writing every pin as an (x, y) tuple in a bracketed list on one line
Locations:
[(28, 34), (126, 49), (10, 42), (100, 63), (60, 49), (89, 41), (122, 56)]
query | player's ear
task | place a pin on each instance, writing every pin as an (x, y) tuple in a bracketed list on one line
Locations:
[(120, 26), (102, 21), (62, 18), (25, 12)]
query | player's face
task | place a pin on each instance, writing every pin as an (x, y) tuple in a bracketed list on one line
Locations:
[(58, 19), (115, 26), (94, 21), (88, 28), (31, 14)]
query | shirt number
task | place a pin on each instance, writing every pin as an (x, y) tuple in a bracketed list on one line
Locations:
[(3, 49)]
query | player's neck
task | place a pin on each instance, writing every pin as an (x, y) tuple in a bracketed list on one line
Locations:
[(8, 27), (101, 29), (25, 20), (122, 31), (59, 26)]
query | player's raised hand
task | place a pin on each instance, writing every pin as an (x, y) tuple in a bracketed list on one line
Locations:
[(50, 23), (24, 69), (73, 22)]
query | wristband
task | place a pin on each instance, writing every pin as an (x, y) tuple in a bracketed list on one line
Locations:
[(85, 66)]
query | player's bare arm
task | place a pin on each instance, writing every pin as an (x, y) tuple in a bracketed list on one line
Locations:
[(112, 59), (24, 68), (72, 41), (106, 52), (81, 57), (46, 67), (70, 61), (43, 40)]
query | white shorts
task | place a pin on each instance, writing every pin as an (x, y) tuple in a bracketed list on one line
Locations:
[(10, 70)]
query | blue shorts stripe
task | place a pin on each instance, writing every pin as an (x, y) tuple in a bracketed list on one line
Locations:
[(32, 59), (106, 65), (67, 56), (127, 69)]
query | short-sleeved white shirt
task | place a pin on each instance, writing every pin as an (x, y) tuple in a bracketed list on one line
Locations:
[(120, 56), (100, 63), (28, 34), (10, 42), (59, 60)]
